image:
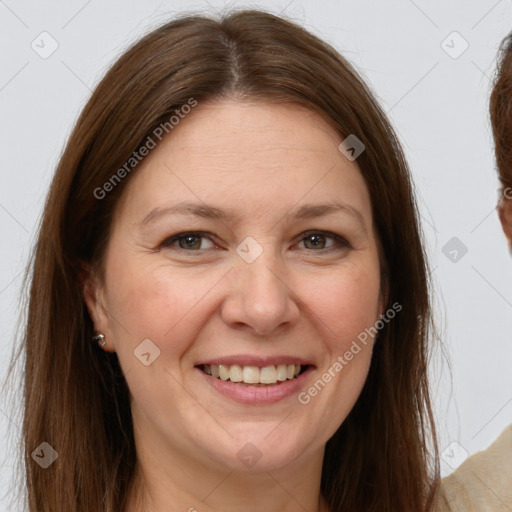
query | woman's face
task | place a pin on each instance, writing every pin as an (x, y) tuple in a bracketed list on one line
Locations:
[(270, 275)]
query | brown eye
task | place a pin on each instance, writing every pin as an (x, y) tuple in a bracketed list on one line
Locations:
[(190, 242), (187, 241), (319, 241), (316, 241)]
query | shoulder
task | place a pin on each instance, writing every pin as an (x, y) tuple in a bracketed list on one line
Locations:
[(483, 482)]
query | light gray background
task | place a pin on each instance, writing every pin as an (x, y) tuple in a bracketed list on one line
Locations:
[(437, 103)]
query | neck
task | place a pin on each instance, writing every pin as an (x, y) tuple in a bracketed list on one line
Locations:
[(168, 477)]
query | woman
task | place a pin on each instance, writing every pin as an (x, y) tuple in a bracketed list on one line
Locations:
[(484, 481), (229, 305)]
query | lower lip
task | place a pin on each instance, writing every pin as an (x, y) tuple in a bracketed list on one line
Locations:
[(258, 395)]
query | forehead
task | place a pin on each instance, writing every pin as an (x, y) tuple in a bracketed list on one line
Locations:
[(259, 155), (244, 130)]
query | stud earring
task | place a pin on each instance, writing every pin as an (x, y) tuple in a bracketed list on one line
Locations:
[(100, 339)]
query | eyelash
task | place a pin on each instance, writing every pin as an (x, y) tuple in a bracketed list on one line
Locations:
[(339, 241)]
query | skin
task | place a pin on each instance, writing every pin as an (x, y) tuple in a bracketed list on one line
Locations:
[(263, 161)]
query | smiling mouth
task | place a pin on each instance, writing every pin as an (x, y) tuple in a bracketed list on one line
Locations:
[(254, 375)]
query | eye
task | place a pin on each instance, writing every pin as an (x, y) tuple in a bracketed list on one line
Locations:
[(187, 241), (317, 240)]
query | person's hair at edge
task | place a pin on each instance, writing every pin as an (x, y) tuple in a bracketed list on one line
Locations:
[(501, 113), (384, 455), (500, 107)]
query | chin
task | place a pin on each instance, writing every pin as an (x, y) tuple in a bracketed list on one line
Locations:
[(258, 452)]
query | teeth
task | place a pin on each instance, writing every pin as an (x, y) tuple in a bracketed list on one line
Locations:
[(235, 373), (223, 371), (268, 375), (281, 373), (253, 374)]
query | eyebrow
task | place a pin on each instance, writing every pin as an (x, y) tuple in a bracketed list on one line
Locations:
[(308, 211)]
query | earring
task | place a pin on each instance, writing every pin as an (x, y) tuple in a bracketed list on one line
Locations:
[(100, 339)]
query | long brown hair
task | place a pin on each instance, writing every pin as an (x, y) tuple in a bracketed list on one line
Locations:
[(384, 456)]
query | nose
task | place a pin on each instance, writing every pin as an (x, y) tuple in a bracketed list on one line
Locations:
[(260, 299)]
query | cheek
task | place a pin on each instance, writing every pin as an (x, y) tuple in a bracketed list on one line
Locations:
[(347, 305), (158, 302), (347, 301)]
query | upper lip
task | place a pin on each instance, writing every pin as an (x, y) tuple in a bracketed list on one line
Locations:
[(252, 360)]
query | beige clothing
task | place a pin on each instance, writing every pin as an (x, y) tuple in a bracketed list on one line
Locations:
[(483, 483)]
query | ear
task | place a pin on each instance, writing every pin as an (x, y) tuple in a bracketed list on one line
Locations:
[(95, 299), (505, 214)]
